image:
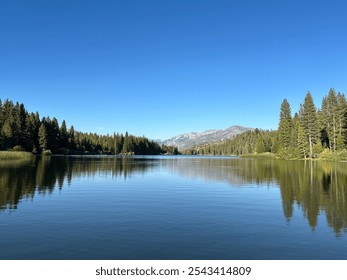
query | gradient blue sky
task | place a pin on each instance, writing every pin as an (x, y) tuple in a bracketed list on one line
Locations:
[(161, 68)]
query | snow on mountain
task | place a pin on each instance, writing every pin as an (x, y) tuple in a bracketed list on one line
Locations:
[(188, 140)]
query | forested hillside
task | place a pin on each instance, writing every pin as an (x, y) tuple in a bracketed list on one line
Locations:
[(310, 133), (24, 131)]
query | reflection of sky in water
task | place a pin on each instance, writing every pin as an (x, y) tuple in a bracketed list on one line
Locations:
[(254, 208)]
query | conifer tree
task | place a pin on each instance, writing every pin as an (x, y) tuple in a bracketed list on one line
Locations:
[(302, 141), (309, 122), (126, 145), (329, 113), (341, 125), (43, 138), (7, 134), (30, 133), (296, 123), (22, 136), (117, 144), (285, 126), (63, 135), (71, 138), (54, 135), (260, 147)]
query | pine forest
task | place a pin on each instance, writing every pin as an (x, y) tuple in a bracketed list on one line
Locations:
[(308, 134), (24, 131)]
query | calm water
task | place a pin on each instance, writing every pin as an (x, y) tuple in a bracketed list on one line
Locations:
[(172, 208)]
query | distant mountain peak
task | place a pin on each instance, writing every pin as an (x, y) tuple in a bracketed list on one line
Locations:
[(188, 140)]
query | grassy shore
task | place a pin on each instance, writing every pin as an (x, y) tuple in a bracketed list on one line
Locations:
[(262, 155), (326, 155), (5, 155)]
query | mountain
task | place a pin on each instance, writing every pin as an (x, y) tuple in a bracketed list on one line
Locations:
[(188, 140)]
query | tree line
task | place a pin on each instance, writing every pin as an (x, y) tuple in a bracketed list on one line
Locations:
[(21, 130), (309, 133)]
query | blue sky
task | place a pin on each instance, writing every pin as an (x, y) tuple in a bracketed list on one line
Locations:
[(161, 68)]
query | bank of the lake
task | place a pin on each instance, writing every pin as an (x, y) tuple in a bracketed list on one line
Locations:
[(326, 155), (11, 155)]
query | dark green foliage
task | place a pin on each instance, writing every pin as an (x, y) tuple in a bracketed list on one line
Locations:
[(332, 119), (329, 119), (310, 124), (128, 144), (71, 139), (248, 142), (303, 136), (118, 143), (306, 135), (64, 136), (31, 132), (26, 131), (43, 138), (285, 126), (301, 141)]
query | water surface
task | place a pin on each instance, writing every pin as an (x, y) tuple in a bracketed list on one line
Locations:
[(172, 208)]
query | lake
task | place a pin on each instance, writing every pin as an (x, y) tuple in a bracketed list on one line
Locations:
[(164, 207)]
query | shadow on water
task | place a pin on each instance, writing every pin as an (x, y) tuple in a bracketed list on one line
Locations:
[(316, 187), (23, 179)]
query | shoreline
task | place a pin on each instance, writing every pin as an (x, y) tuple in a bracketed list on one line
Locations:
[(326, 157)]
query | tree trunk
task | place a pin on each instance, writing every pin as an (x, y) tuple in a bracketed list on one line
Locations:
[(310, 142)]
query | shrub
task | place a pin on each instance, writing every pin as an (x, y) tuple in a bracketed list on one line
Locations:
[(290, 153), (14, 155), (46, 152), (336, 156), (18, 148)]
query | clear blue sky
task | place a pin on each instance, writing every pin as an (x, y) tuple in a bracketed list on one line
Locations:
[(161, 68)]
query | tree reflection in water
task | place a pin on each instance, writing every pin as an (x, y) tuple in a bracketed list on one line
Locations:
[(316, 187)]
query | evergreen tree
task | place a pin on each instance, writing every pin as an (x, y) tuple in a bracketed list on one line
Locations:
[(302, 141), (1, 124), (22, 129), (16, 125), (341, 125), (54, 135), (127, 144), (7, 134), (7, 121), (329, 114), (64, 137), (117, 144), (43, 138), (309, 122), (30, 132), (260, 147), (71, 138), (285, 126), (295, 130)]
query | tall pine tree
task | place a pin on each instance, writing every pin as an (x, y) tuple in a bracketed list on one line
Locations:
[(43, 138), (285, 126), (330, 118), (310, 123)]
